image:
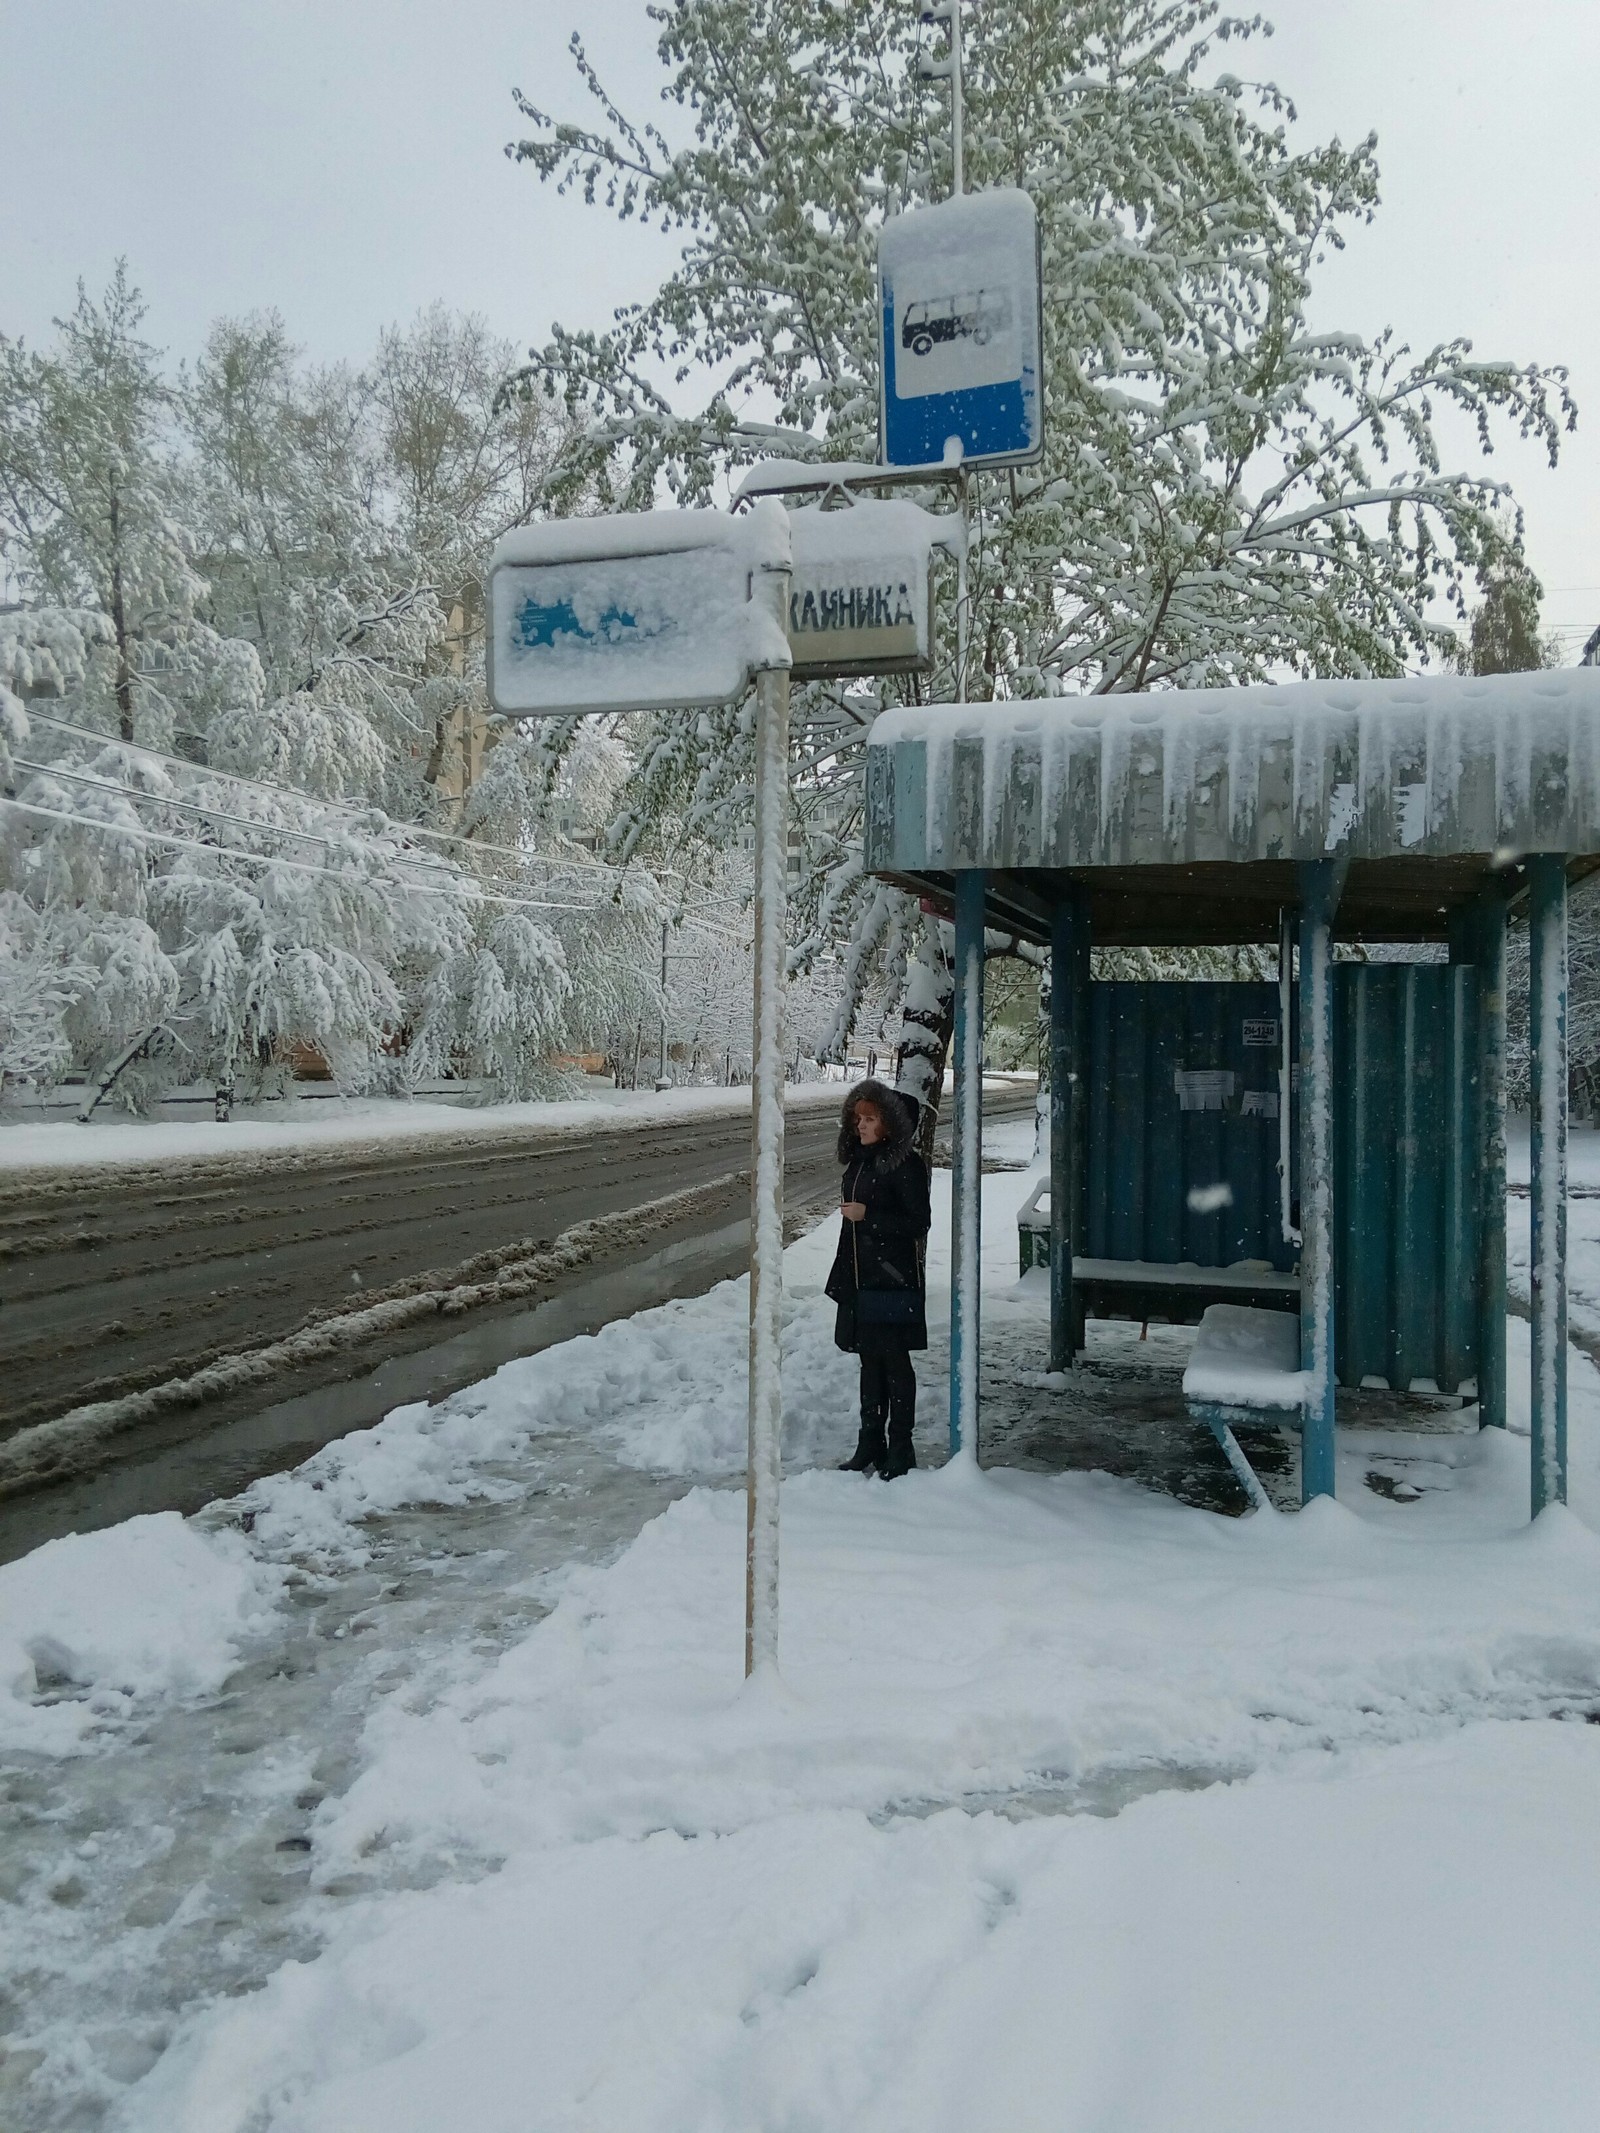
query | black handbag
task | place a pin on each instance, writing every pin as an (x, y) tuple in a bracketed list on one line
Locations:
[(888, 1307)]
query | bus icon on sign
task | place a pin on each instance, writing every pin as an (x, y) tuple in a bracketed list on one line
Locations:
[(976, 316)]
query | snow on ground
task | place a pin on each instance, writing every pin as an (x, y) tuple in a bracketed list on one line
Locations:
[(150, 1609), (1074, 1808), (1583, 1225), (312, 1123), (331, 1121)]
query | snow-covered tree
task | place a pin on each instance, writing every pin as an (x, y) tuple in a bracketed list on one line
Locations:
[(1503, 633), (208, 857), (1227, 495)]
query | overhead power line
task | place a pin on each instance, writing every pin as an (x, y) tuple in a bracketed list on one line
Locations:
[(275, 859), (345, 807), (196, 807)]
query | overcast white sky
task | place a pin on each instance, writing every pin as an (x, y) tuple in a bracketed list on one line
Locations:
[(342, 161)]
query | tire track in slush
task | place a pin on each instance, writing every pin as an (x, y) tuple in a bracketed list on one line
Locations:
[(179, 1269)]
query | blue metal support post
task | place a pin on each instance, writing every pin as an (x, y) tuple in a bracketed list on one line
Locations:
[(1547, 1254), (1490, 955), (1320, 884), (1066, 1037), (966, 1183)]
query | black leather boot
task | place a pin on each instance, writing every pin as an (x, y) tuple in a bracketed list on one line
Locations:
[(901, 1453), (871, 1451)]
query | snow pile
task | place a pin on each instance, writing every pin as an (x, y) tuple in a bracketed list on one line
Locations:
[(722, 1908), (1376, 1943), (1246, 1358), (97, 1625), (352, 1124), (666, 1390), (951, 1640)]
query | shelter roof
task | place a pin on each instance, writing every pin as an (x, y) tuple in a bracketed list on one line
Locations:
[(1183, 813)]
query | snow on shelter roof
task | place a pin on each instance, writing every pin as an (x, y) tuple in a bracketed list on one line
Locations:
[(1457, 771)]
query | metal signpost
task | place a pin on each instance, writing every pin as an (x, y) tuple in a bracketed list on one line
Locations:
[(676, 610), (663, 610)]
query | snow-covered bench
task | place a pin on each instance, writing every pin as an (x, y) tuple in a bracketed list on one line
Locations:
[(1245, 1367), (1174, 1293)]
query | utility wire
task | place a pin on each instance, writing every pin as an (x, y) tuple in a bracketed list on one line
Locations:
[(272, 859), (206, 814), (295, 792)]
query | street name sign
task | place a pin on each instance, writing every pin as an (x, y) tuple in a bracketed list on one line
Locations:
[(962, 326), (644, 611), (859, 593)]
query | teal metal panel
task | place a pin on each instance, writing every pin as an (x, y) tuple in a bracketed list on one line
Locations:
[(1365, 1167), (1407, 1204), (1158, 1151), (1463, 1213), (1489, 955), (1423, 1035), (1167, 1050)]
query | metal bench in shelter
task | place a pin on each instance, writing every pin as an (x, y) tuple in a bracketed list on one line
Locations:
[(1338, 1135)]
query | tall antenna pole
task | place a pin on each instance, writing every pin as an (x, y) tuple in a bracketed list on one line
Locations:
[(949, 69), (958, 175)]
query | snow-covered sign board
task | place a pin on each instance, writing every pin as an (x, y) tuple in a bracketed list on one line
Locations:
[(962, 331), (859, 599), (644, 611)]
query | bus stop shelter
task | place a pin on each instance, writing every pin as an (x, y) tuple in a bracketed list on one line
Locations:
[(1347, 1125)]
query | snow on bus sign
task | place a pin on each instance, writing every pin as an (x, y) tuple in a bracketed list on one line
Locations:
[(644, 611), (962, 331), (859, 600)]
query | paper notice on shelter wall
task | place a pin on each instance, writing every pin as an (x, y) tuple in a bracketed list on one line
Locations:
[(1204, 1088)]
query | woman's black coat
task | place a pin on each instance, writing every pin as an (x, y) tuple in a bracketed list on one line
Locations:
[(884, 1250)]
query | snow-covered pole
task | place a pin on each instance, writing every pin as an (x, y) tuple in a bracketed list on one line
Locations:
[(1068, 919), (962, 590), (1320, 886), (966, 1165), (765, 1460), (949, 69), (1547, 1029), (1491, 960), (661, 1057), (1288, 930)]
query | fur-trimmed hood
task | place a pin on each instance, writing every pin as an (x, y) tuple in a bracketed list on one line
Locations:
[(899, 1115)]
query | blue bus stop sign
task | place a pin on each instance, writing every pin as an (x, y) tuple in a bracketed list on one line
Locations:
[(962, 332)]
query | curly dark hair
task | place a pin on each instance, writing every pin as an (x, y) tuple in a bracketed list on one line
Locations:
[(898, 1113)]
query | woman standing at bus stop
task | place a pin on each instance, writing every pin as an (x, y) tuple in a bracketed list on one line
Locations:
[(877, 1277)]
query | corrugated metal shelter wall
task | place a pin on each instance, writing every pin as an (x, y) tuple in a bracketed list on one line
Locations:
[(1406, 1185), (1183, 1098), (1182, 1093)]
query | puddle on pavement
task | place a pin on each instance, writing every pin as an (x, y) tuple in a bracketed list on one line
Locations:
[(1102, 1793)]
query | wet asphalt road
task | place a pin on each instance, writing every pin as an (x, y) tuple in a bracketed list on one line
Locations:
[(117, 1280)]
